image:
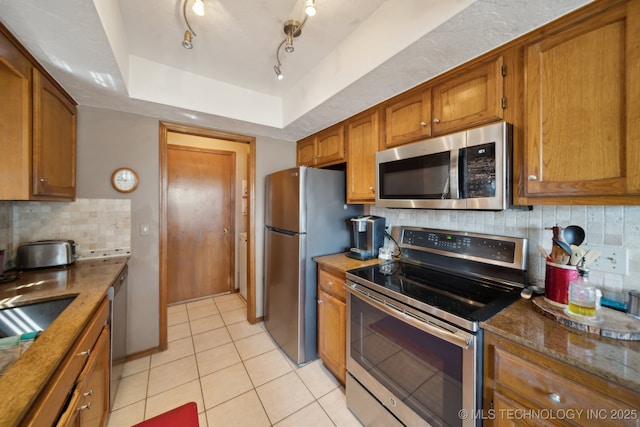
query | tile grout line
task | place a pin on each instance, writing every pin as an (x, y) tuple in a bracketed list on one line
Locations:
[(254, 388)]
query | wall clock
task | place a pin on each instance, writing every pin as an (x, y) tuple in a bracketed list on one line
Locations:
[(125, 180)]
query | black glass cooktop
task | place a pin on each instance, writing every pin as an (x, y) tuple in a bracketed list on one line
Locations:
[(468, 298)]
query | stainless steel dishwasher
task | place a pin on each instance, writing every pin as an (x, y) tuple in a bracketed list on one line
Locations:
[(118, 295)]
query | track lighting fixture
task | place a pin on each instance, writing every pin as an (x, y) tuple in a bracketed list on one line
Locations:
[(186, 42), (292, 29), (279, 75), (198, 8)]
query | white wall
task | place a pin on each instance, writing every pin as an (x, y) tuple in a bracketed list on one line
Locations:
[(109, 139)]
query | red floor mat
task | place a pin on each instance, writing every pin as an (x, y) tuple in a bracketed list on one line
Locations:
[(183, 416)]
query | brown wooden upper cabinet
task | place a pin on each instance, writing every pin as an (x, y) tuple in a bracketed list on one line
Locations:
[(54, 141), (306, 154), (582, 109), (407, 118), (468, 98), (38, 129), (325, 148), (363, 134)]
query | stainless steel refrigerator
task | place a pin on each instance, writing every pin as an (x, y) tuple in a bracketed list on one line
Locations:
[(305, 216)]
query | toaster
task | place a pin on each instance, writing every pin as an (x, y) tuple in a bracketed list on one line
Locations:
[(46, 253)]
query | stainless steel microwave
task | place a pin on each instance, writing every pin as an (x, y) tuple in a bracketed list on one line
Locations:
[(465, 170)]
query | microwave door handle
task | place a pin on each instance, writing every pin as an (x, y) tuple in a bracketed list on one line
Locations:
[(454, 171)]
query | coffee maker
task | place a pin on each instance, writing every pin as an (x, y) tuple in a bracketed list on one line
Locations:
[(367, 236)]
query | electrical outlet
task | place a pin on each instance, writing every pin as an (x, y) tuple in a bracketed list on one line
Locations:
[(611, 260)]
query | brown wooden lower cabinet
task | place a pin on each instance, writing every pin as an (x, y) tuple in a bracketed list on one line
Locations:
[(78, 394), (523, 387), (332, 321)]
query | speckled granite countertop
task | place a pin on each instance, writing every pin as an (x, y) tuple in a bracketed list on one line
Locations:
[(89, 280), (616, 360), (342, 262)]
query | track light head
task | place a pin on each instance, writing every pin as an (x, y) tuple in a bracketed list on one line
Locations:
[(279, 74), (186, 42)]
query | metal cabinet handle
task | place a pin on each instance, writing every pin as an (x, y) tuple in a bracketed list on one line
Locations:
[(330, 283), (423, 124), (85, 353), (319, 301), (83, 407), (371, 188), (532, 178), (555, 397), (89, 393), (436, 120), (393, 402), (225, 229), (44, 180)]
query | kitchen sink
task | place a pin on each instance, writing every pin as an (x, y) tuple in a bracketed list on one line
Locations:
[(31, 317)]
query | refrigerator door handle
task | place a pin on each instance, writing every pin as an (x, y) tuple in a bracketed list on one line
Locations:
[(280, 230)]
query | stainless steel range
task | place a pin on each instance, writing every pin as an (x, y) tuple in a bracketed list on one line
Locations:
[(414, 345)]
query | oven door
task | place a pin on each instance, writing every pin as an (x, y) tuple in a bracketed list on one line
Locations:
[(421, 369)]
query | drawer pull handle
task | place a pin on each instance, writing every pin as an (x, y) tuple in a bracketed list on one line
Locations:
[(85, 353), (555, 397), (44, 180), (423, 124), (393, 402), (532, 178), (89, 393), (83, 407), (330, 283)]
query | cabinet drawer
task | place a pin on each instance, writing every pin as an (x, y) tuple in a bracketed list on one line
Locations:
[(332, 283), (549, 390)]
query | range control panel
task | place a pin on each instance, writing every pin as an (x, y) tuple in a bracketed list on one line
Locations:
[(463, 244)]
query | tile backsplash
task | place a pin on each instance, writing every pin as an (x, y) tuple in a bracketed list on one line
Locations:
[(615, 226), (100, 227)]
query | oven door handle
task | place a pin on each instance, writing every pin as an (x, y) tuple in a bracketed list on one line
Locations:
[(425, 326)]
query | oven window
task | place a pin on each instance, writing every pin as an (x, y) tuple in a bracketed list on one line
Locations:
[(423, 371), (424, 177)]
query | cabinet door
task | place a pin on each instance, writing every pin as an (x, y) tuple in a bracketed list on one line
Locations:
[(71, 416), (54, 141), (94, 384), (15, 122), (332, 334), (582, 108), (471, 97), (330, 146), (362, 140), (306, 152), (407, 119)]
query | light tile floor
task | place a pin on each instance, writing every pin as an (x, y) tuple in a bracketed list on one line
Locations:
[(233, 371)]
